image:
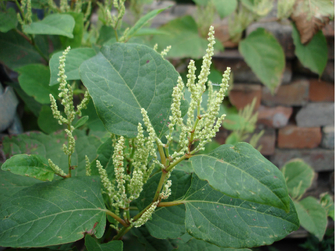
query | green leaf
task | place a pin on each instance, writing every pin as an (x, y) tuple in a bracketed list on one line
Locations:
[(34, 80), (47, 122), (53, 213), (94, 123), (193, 244), (92, 245), (265, 57), (143, 20), (11, 183), (234, 122), (8, 20), (33, 166), (233, 138), (81, 121), (314, 55), (50, 147), (241, 172), (183, 37), (234, 223), (225, 7), (73, 60), (299, 176), (119, 92), (327, 202), (78, 31), (53, 24), (149, 31), (312, 216), (151, 243), (16, 51)]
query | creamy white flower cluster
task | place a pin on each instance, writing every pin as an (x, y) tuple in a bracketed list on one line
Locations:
[(146, 215), (66, 97), (26, 12), (201, 125)]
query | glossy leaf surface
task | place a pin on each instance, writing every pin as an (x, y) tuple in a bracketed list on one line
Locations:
[(8, 20), (299, 176), (33, 166), (92, 245), (34, 80), (265, 56), (122, 79), (73, 60), (16, 51), (50, 147), (53, 24), (314, 55), (312, 216), (53, 213), (241, 172), (233, 223)]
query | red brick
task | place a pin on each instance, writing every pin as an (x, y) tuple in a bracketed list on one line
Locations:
[(274, 116), (243, 94), (293, 94), (293, 136), (321, 91)]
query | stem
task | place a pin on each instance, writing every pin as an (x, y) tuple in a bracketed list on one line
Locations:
[(161, 153), (20, 9), (122, 232), (24, 36), (160, 184), (177, 162), (110, 213), (171, 203), (116, 36)]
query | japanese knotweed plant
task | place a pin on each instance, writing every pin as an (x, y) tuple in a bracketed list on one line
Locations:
[(147, 179)]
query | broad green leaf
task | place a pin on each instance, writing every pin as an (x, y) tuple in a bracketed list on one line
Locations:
[(11, 183), (122, 79), (312, 216), (241, 172), (16, 51), (53, 213), (185, 166), (53, 24), (298, 175), (8, 20), (78, 31), (34, 80), (73, 60), (234, 223), (33, 166), (50, 147), (193, 244), (151, 243), (106, 33), (225, 7), (142, 21), (314, 55), (47, 122), (265, 56), (184, 38), (94, 123), (92, 245)]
